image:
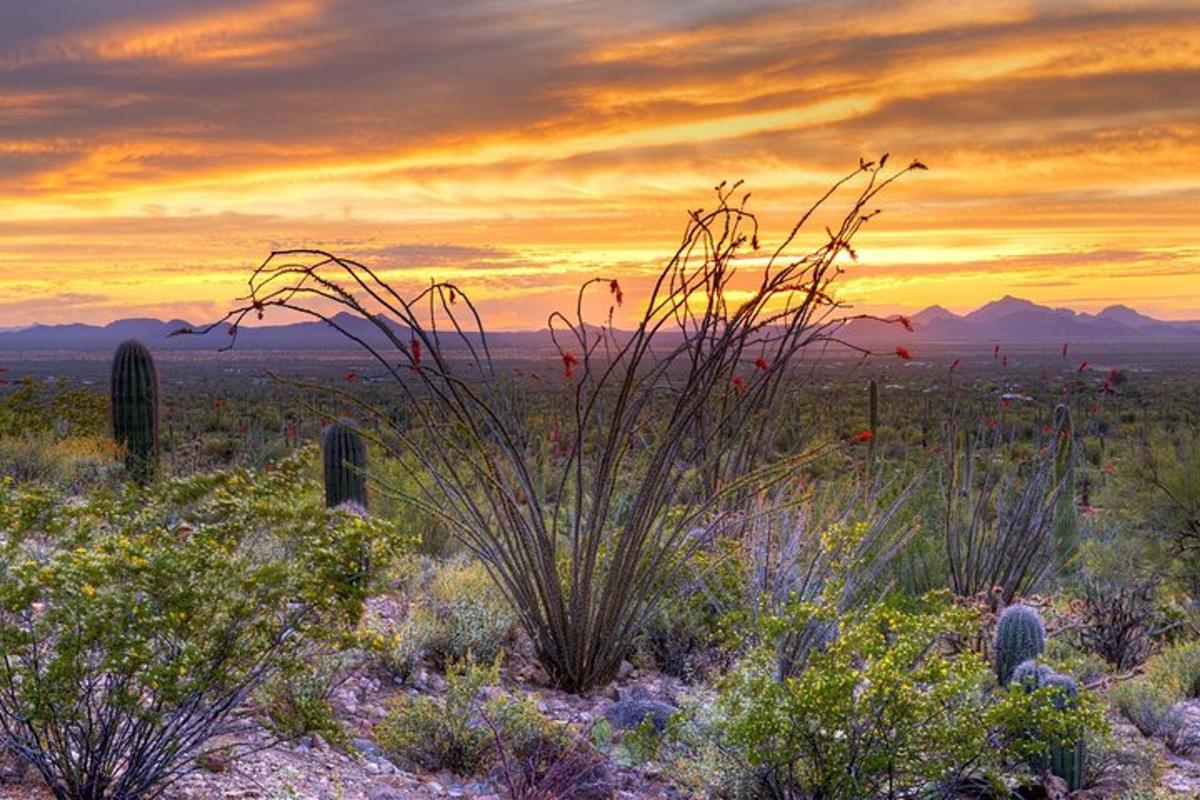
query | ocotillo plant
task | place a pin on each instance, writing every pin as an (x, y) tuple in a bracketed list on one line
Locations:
[(660, 431), (345, 458), (133, 392), (872, 421), (1064, 476), (1020, 637)]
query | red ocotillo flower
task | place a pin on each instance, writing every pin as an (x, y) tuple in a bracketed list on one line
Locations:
[(996, 352), (1064, 351), (738, 384), (1083, 365), (864, 435), (761, 363), (569, 362), (414, 346), (351, 377), (615, 288), (902, 352), (954, 366), (907, 323)]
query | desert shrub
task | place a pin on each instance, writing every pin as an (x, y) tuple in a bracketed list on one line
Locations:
[(455, 731), (458, 613), (1170, 676), (74, 462), (1117, 622), (296, 699), (880, 709), (475, 618), (1067, 657), (1143, 704), (832, 550), (1000, 517), (886, 708), (134, 623), (552, 766)]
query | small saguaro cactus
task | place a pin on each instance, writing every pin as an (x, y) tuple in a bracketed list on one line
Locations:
[(345, 458), (133, 393), (1020, 636), (1066, 758)]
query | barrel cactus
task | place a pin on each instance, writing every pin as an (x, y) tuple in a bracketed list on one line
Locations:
[(345, 458), (133, 393), (1066, 758), (1020, 636), (1030, 675)]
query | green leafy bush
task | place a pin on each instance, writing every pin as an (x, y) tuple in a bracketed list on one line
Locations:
[(459, 614), (296, 700), (458, 730), (134, 623), (882, 708), (887, 708)]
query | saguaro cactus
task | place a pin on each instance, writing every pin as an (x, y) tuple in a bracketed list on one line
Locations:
[(345, 458), (1064, 474), (1020, 636), (133, 393)]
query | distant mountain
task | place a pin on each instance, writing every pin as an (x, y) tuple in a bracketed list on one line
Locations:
[(1007, 320), (1013, 319), (314, 335)]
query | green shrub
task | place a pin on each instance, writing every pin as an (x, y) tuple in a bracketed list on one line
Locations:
[(296, 700), (1170, 676), (1143, 704), (882, 706), (474, 617), (458, 731), (134, 623), (459, 614)]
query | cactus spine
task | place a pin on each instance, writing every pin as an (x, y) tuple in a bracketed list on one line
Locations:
[(133, 394), (1020, 636), (345, 458)]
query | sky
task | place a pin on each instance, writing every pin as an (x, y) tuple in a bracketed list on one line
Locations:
[(153, 151)]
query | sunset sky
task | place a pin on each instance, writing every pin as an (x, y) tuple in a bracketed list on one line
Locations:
[(151, 151)]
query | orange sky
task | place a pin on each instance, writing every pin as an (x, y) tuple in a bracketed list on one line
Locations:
[(150, 153)]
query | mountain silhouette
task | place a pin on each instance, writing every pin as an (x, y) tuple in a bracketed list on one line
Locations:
[(1013, 319), (1009, 319)]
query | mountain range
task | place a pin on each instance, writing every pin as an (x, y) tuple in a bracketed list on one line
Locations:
[(1008, 320), (1014, 320)]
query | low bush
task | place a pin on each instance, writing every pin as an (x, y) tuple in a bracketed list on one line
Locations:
[(134, 623), (1170, 676), (455, 731), (296, 700), (459, 614)]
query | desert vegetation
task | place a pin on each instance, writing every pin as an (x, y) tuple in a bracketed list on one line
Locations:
[(723, 553)]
